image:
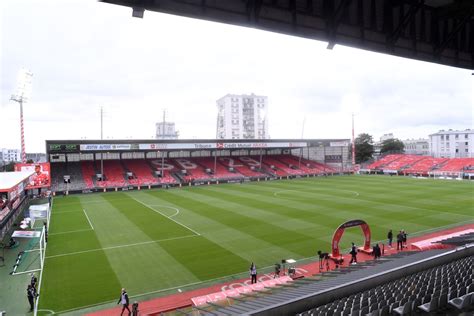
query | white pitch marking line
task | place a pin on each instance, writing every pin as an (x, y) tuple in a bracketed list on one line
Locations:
[(70, 231), (154, 210), (120, 246), (167, 206), (88, 219)]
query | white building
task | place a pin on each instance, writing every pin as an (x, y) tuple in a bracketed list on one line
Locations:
[(417, 147), (166, 130), (385, 137), (10, 155), (452, 144), (242, 117)]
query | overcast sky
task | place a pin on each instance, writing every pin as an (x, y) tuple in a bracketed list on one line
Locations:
[(86, 54)]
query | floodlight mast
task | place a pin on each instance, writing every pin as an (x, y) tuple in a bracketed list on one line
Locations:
[(21, 95)]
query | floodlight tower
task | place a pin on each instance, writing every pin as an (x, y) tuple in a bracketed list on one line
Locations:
[(353, 143), (21, 95)]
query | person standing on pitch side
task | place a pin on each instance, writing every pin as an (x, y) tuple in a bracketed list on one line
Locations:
[(253, 273), (390, 238), (124, 301), (353, 253)]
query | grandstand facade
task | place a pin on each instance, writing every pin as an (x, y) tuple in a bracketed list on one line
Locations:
[(95, 165)]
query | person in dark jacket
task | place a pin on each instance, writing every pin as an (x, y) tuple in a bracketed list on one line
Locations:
[(390, 238), (353, 253), (253, 273), (400, 241), (31, 294), (124, 301), (404, 238)]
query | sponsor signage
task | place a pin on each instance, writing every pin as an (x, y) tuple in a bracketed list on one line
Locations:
[(102, 147), (220, 145), (41, 178), (26, 234), (333, 158)]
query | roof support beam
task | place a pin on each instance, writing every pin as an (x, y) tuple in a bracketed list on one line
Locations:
[(455, 30), (333, 22), (407, 18)]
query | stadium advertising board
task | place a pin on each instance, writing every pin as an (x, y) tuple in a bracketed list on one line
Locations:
[(333, 158), (220, 145), (339, 144), (186, 146), (41, 178)]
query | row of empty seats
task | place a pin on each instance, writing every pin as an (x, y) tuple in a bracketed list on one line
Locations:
[(140, 172), (421, 164), (428, 291)]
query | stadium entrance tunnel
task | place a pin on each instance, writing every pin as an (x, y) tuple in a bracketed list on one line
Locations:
[(336, 255)]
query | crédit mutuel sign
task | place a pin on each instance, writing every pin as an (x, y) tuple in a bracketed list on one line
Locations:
[(188, 146)]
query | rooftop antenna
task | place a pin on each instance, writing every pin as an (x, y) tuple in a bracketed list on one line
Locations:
[(21, 95)]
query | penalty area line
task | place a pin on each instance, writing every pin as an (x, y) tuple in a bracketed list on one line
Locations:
[(88, 219), (120, 246)]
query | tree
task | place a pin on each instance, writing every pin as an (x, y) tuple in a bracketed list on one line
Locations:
[(10, 166), (364, 147), (393, 145)]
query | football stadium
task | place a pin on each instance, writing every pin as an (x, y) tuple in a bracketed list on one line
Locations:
[(251, 226)]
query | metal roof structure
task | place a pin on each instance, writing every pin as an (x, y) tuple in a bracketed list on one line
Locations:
[(9, 179), (438, 31)]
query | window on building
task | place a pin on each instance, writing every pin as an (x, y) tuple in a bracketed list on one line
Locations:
[(447, 137), (466, 150), (442, 137), (457, 150), (466, 143), (466, 136), (456, 136)]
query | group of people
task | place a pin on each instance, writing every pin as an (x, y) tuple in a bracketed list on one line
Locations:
[(31, 291), (401, 239)]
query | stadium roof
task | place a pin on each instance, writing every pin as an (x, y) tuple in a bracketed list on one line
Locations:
[(10, 179), (116, 145), (439, 31)]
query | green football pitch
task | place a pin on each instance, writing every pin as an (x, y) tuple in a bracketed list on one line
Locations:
[(156, 242)]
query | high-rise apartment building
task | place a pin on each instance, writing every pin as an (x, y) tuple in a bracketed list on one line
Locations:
[(242, 117)]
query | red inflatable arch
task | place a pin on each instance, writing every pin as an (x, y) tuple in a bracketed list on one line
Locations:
[(340, 231)]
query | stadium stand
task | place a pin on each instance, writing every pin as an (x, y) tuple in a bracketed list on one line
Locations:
[(221, 172), (113, 174), (456, 164), (73, 170), (88, 173), (381, 163), (143, 174), (240, 167), (280, 168), (431, 280), (404, 161), (425, 165)]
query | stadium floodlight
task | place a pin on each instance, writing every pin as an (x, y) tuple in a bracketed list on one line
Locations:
[(21, 95)]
